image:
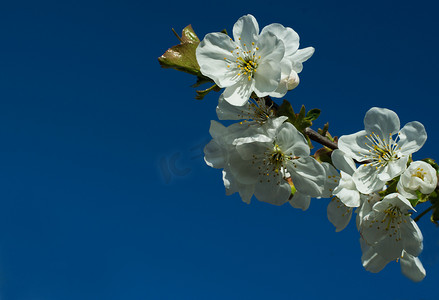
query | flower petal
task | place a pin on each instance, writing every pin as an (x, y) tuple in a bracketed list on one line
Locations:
[(267, 78), (412, 137), (239, 93), (300, 201), (372, 261), (393, 169), (301, 56), (342, 162), (412, 237), (273, 189), (246, 30), (270, 48), (350, 198), (287, 81), (338, 214), (412, 267), (243, 170), (381, 121), (210, 55), (286, 34), (227, 111), (354, 145), (291, 141), (308, 175), (366, 179), (214, 155)]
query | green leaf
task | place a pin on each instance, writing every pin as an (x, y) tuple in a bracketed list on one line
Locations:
[(313, 114), (285, 109), (182, 57)]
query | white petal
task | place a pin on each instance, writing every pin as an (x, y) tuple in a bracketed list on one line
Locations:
[(284, 83), (412, 237), (393, 169), (227, 111), (366, 179), (412, 137), (308, 175), (372, 261), (248, 151), (291, 141), (412, 267), (342, 162), (389, 248), (332, 178), (338, 214), (275, 191), (288, 36), (246, 30), (350, 198), (270, 48), (381, 121), (215, 155), (243, 170), (300, 201), (301, 56), (239, 93), (354, 145), (267, 78), (210, 55), (406, 193), (394, 199), (371, 234), (232, 186)]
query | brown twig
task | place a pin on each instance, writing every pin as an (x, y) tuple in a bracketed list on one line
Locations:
[(317, 137)]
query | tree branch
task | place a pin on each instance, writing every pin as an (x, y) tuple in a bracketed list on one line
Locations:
[(317, 137)]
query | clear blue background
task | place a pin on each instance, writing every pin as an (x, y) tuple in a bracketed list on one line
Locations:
[(103, 190)]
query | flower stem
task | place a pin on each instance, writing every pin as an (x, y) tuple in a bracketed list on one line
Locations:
[(422, 214)]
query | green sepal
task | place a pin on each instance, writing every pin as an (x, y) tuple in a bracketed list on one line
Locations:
[(182, 57), (323, 155), (293, 188), (200, 94)]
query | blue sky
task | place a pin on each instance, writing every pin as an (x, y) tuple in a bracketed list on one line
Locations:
[(90, 125)]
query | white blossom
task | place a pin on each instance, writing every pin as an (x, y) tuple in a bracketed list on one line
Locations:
[(249, 63), (266, 164), (389, 229), (419, 176), (385, 155)]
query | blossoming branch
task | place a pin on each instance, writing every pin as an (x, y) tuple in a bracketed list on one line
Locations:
[(266, 154)]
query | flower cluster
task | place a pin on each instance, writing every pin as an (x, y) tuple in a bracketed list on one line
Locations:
[(266, 153), (380, 190)]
